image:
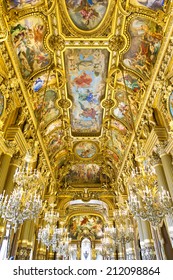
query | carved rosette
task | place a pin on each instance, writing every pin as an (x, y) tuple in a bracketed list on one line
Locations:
[(108, 103), (117, 43), (56, 43), (64, 103)]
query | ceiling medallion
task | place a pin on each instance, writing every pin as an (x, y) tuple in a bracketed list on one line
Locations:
[(116, 43), (85, 150), (108, 103), (64, 103)]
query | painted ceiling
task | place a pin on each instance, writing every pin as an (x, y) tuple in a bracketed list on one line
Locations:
[(86, 66)]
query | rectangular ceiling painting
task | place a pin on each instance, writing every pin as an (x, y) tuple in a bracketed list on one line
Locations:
[(86, 71)]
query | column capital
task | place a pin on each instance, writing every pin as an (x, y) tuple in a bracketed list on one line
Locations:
[(160, 148), (155, 159), (6, 147)]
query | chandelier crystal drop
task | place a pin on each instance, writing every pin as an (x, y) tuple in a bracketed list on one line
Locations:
[(19, 206)]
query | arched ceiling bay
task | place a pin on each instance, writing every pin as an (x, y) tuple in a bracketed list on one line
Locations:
[(85, 67)]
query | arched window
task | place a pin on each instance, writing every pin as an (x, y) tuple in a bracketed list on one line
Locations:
[(86, 249)]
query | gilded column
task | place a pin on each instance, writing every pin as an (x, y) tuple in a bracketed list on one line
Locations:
[(41, 252), (24, 251), (166, 160), (162, 182), (9, 184), (148, 241), (5, 163)]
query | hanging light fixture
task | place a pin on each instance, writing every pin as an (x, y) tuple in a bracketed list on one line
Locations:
[(50, 234), (145, 201), (64, 249), (19, 206)]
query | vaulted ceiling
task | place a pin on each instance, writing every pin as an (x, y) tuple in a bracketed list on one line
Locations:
[(86, 70)]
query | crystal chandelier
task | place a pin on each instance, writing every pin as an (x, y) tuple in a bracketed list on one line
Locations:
[(124, 228), (145, 201), (19, 206), (50, 234), (27, 177), (64, 249), (108, 247)]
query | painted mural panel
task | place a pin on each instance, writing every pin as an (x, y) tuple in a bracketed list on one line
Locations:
[(86, 71), (116, 144), (86, 14), (146, 39), (85, 224), (56, 143), (131, 81), (119, 127), (85, 150), (27, 37), (122, 110), (171, 104), (45, 108), (53, 126), (151, 4), (43, 81), (20, 4), (84, 173), (1, 103)]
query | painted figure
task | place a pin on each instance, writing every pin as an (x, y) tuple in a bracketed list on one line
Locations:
[(145, 44), (27, 37), (86, 14)]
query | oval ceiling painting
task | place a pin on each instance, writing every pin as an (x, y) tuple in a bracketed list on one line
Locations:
[(85, 150), (86, 14)]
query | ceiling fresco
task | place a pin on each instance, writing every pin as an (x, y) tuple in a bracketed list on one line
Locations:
[(86, 72), (152, 4), (27, 37), (86, 14), (20, 4), (146, 38), (86, 150), (84, 173), (85, 68), (84, 224)]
